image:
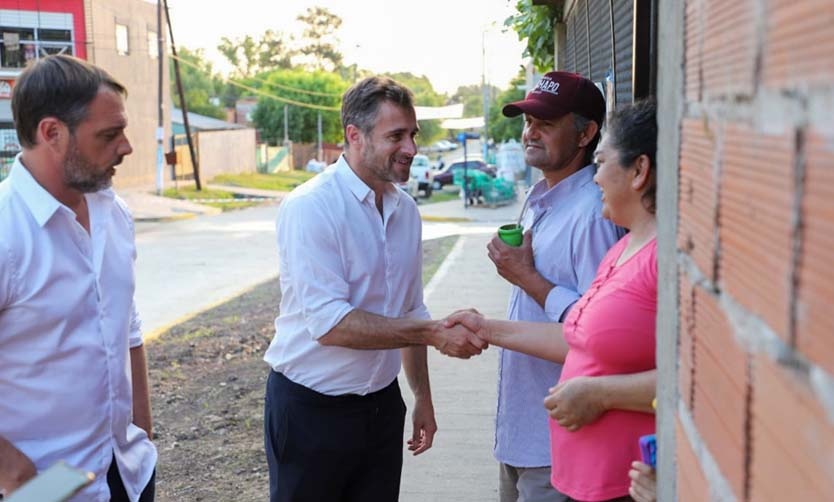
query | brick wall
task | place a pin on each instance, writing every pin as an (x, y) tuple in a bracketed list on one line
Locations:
[(754, 419)]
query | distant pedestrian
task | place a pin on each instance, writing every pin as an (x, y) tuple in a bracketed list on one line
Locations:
[(350, 260), (566, 238), (73, 376)]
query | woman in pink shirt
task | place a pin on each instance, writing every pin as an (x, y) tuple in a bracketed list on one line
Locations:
[(602, 404)]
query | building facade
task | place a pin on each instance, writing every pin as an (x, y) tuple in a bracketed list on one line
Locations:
[(117, 35), (745, 175)]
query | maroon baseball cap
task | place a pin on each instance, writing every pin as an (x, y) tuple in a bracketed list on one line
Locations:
[(559, 93)]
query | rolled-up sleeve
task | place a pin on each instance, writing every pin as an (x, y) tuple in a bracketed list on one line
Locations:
[(311, 265), (591, 242)]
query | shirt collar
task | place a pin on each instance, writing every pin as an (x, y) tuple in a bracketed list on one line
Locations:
[(40, 203), (358, 187), (542, 195)]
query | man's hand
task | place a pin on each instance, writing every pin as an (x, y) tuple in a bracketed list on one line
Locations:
[(515, 264), (424, 426), (457, 341), (15, 468), (575, 402), (470, 319)]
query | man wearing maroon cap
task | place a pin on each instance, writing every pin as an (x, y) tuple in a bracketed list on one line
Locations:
[(565, 239)]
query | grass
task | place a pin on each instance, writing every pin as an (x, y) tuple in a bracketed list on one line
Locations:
[(440, 196), (217, 197), (282, 182)]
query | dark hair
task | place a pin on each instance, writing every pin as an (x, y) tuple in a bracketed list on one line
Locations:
[(580, 122), (632, 131), (57, 86), (361, 102)]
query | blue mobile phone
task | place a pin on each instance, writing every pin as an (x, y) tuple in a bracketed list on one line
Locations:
[(648, 450)]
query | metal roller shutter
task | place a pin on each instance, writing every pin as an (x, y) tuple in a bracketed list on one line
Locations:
[(599, 18), (580, 13), (623, 29), (570, 44)]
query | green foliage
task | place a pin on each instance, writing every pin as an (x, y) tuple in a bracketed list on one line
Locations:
[(534, 23), (424, 95), (281, 181), (321, 51), (199, 84), (502, 128), (269, 114), (250, 55)]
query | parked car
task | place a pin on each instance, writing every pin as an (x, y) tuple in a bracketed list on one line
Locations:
[(447, 176), (409, 187), (443, 146), (421, 172)]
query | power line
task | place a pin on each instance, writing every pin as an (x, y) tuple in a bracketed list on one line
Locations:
[(265, 94)]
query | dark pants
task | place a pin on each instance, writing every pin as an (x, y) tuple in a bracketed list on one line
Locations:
[(117, 488), (332, 448)]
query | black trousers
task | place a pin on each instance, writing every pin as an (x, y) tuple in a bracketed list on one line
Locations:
[(117, 488), (332, 448)]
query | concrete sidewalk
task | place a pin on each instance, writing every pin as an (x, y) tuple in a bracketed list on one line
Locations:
[(460, 466), (149, 207)]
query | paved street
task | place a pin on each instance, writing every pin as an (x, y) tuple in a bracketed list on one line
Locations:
[(184, 267)]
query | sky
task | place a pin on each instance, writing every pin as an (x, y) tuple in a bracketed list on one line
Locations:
[(441, 39)]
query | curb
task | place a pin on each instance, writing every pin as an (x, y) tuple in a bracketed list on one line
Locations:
[(445, 219), (165, 219)]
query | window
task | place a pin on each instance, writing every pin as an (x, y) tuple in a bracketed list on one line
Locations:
[(153, 48), (122, 40), (18, 46)]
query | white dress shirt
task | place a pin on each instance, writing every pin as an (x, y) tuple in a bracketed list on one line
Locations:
[(67, 320), (336, 253)]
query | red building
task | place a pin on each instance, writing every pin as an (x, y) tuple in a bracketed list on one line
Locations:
[(117, 35)]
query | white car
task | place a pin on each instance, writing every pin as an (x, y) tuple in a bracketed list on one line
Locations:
[(422, 173)]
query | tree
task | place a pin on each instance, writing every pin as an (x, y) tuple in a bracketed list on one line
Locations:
[(502, 128), (316, 88), (199, 84), (424, 95), (534, 23), (250, 55), (472, 97), (321, 50)]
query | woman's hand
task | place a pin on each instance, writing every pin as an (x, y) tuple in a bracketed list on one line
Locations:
[(643, 482), (575, 402)]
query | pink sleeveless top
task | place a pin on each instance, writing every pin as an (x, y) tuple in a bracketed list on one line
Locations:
[(610, 330)]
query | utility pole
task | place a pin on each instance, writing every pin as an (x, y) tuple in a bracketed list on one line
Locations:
[(160, 126), (286, 126), (320, 156), (183, 106), (485, 97)]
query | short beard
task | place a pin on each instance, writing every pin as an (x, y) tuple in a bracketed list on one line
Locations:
[(81, 175)]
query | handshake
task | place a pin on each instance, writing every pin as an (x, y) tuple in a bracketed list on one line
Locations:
[(462, 334)]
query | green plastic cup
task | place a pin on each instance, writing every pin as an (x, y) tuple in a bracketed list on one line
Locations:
[(512, 234)]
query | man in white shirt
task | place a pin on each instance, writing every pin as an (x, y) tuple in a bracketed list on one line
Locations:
[(350, 259), (73, 375)]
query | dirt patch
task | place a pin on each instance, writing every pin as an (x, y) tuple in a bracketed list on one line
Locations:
[(207, 388)]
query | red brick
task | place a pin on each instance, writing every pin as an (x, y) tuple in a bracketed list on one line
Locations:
[(797, 49), (729, 51), (692, 484), (686, 362), (815, 321), (720, 403), (698, 199), (693, 45), (792, 438), (755, 218)]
